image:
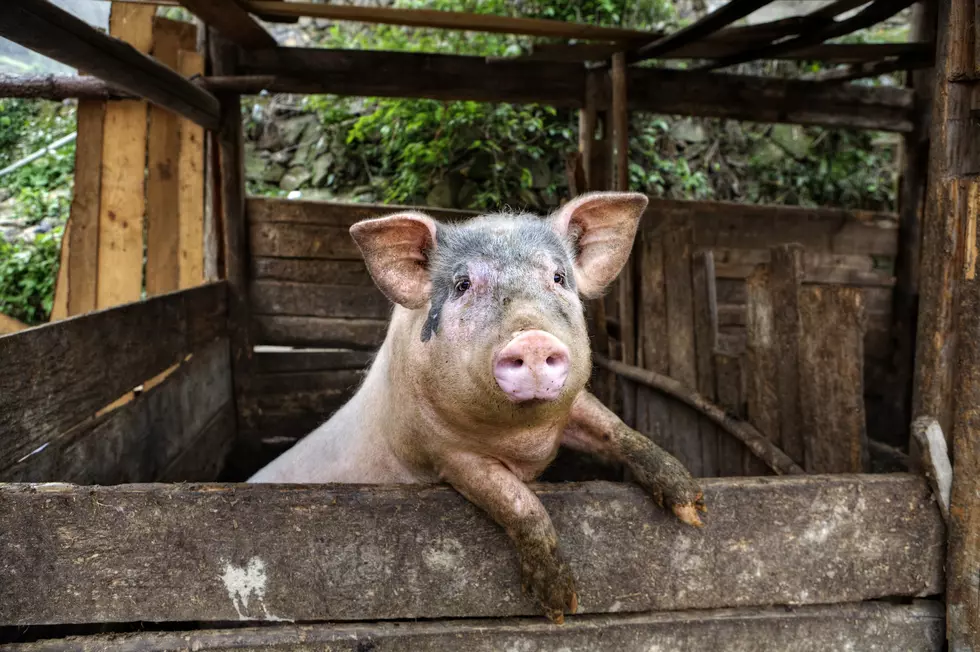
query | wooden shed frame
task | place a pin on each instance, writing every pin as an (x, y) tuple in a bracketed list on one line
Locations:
[(838, 561)]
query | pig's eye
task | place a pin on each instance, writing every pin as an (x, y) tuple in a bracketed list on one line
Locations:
[(559, 278), (462, 285)]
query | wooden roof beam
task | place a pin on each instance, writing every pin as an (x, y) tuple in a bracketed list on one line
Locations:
[(821, 28), (708, 25), (234, 22), (449, 20), (53, 32)]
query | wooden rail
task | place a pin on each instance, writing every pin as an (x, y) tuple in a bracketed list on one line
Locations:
[(225, 553)]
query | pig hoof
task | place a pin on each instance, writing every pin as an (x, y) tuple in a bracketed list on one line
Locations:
[(548, 580)]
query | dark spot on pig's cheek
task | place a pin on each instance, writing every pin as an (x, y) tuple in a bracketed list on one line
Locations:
[(431, 326)]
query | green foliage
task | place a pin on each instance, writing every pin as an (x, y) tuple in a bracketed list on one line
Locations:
[(27, 276)]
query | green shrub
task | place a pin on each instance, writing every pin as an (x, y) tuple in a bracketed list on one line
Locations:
[(28, 271)]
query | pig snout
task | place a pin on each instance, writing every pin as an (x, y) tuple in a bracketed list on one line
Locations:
[(533, 365)]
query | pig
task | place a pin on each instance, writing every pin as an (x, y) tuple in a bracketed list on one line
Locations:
[(483, 371)]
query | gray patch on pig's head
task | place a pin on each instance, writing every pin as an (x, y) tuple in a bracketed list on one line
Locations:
[(513, 244)]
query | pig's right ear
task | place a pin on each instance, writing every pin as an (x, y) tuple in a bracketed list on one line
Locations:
[(396, 250)]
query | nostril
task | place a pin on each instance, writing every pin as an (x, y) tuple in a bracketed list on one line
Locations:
[(517, 363), (551, 361)]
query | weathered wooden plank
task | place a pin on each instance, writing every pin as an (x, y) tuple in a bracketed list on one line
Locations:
[(234, 23), (48, 29), (730, 395), (870, 627), (310, 270), (204, 458), (452, 77), (701, 29), (83, 238), (653, 410), (272, 362), (761, 390), (320, 331), (831, 366), (819, 267), (346, 552), (59, 304), (10, 325), (753, 226), (190, 187), (123, 201), (287, 240), (681, 347), (163, 171), (138, 441), (706, 341), (785, 280), (964, 516), (325, 213), (68, 370), (314, 300)]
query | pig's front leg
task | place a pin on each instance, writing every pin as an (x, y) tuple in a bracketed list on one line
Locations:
[(594, 428), (491, 486)]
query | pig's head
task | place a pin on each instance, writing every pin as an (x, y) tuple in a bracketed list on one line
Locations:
[(499, 332)]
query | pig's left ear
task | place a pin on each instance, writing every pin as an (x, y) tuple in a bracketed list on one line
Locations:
[(396, 249), (603, 226)]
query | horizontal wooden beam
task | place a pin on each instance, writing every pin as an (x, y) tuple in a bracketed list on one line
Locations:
[(177, 431), (451, 77), (731, 225), (234, 22), (451, 20), (53, 32), (159, 553), (57, 376), (918, 627)]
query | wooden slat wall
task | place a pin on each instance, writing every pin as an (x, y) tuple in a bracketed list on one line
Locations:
[(68, 371), (918, 627), (228, 552), (309, 288)]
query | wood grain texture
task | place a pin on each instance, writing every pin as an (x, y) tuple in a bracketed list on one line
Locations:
[(49, 30), (452, 77), (963, 602), (59, 304), (327, 332), (751, 226), (832, 380), (295, 240), (10, 325), (123, 201), (310, 270), (312, 300), (139, 441), (324, 213), (190, 187), (163, 167), (706, 341), (234, 22), (77, 366), (869, 627), (730, 392), (425, 552), (785, 281), (761, 389), (83, 247), (681, 347)]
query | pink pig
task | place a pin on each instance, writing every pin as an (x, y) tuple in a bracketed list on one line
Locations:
[(482, 373)]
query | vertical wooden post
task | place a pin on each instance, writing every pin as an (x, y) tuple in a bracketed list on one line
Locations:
[(962, 598), (190, 190), (761, 391), (123, 201), (831, 363), (912, 190), (954, 165), (705, 342), (730, 392), (682, 352), (785, 280), (163, 174), (230, 145)]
